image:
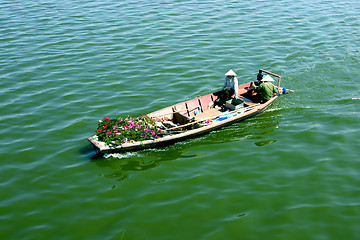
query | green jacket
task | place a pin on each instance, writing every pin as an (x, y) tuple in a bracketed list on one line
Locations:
[(266, 90)]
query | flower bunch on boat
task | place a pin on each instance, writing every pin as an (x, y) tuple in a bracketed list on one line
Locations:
[(118, 131)]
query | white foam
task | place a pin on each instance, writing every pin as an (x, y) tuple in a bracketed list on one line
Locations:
[(119, 155)]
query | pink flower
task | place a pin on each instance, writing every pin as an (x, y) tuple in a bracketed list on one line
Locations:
[(108, 133), (153, 133)]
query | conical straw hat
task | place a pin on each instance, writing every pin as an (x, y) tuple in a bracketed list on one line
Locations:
[(230, 73), (267, 78)]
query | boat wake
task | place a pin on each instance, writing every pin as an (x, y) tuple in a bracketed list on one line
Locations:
[(273, 109), (120, 155)]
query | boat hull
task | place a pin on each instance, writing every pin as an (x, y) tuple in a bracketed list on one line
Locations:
[(194, 118), (171, 139)]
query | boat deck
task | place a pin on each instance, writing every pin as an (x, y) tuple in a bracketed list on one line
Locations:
[(208, 114)]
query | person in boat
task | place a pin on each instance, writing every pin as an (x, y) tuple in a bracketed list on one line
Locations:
[(230, 87), (259, 76), (264, 88)]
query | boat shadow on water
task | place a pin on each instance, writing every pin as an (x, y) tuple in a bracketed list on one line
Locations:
[(120, 165)]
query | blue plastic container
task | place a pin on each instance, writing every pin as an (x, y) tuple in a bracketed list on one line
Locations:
[(224, 116)]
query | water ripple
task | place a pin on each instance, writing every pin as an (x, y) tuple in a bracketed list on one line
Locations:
[(67, 64)]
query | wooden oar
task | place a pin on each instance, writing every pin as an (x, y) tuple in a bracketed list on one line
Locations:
[(188, 124), (204, 119), (245, 108), (183, 110)]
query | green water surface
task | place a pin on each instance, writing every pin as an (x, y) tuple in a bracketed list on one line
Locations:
[(289, 173)]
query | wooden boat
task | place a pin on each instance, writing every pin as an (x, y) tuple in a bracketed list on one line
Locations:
[(195, 117)]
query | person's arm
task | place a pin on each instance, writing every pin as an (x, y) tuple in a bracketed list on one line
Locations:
[(236, 87)]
